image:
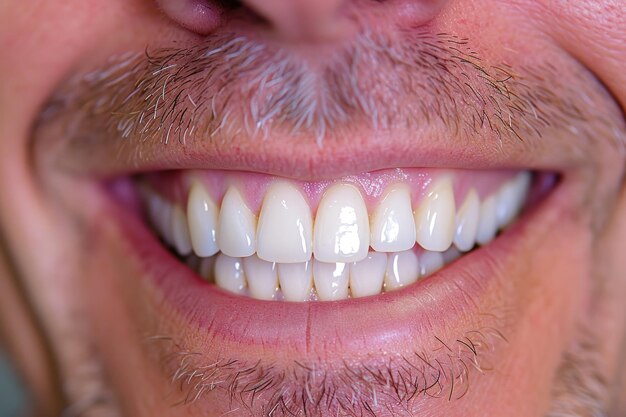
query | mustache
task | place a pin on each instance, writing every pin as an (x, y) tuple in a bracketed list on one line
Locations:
[(230, 84)]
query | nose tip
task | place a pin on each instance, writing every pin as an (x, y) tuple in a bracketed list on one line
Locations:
[(302, 19), (330, 19)]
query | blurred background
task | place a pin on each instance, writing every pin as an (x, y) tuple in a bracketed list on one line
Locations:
[(12, 395)]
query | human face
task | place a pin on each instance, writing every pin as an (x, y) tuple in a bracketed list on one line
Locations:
[(290, 207)]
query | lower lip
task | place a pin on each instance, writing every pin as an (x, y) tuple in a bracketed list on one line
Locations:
[(440, 304)]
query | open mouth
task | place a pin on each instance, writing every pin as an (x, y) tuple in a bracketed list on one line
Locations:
[(269, 238)]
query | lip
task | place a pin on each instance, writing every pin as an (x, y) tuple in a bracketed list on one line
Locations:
[(460, 298)]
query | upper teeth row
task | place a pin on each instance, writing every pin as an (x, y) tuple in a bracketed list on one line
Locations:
[(342, 230)]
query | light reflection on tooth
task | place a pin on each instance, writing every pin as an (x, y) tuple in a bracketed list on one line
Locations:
[(236, 232), (435, 217), (285, 229), (487, 225), (202, 216), (229, 274), (366, 276), (467, 220), (341, 231), (392, 227), (262, 277), (180, 232), (296, 280), (430, 262), (402, 269), (331, 280)]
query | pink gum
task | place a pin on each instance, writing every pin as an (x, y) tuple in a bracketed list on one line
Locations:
[(174, 185)]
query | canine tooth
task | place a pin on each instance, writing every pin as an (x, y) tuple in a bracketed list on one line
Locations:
[(434, 218), (341, 231), (487, 225), (331, 280), (296, 280), (392, 228), (262, 277), (366, 276), (202, 217), (229, 274), (467, 219), (236, 231), (430, 262), (180, 232), (285, 229), (402, 269)]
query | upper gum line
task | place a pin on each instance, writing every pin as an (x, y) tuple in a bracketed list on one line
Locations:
[(373, 186), (291, 222)]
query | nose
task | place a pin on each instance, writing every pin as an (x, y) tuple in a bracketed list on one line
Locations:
[(298, 19), (329, 19)]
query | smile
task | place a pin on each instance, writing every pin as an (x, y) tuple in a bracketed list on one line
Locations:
[(272, 239)]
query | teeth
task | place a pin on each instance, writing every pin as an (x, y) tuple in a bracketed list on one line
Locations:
[(430, 262), (331, 280), (262, 277), (392, 225), (341, 226), (202, 217), (236, 232), (289, 256), (467, 222), (180, 232), (296, 280), (434, 218), (511, 198), (229, 274), (487, 225), (285, 210), (402, 269), (366, 276)]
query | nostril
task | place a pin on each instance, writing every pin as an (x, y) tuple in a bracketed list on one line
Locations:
[(200, 16)]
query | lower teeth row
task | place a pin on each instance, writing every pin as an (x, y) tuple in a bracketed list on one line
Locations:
[(319, 281)]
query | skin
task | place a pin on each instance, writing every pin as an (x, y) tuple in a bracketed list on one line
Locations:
[(76, 318)]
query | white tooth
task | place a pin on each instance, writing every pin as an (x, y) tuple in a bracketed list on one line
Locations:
[(451, 255), (229, 274), (180, 231), (430, 262), (392, 228), (341, 226), (366, 276), (487, 225), (434, 218), (331, 280), (202, 217), (505, 203), (402, 269), (296, 280), (163, 220), (155, 205), (262, 277), (206, 268), (467, 220), (285, 230), (236, 230), (522, 185)]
